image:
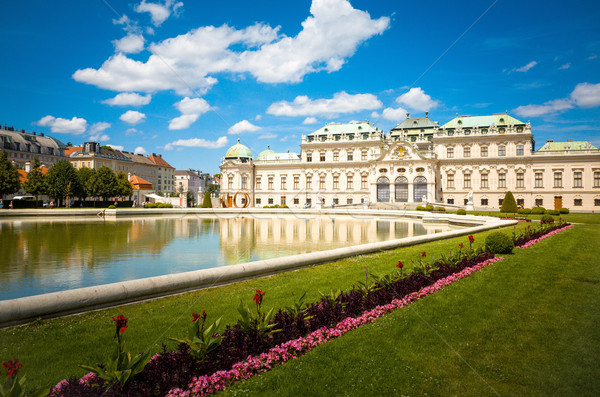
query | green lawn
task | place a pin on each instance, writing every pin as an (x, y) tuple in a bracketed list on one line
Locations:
[(573, 217), (516, 301)]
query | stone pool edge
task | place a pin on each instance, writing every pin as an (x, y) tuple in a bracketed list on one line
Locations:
[(56, 304)]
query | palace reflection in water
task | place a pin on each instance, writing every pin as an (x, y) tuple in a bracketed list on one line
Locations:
[(46, 256)]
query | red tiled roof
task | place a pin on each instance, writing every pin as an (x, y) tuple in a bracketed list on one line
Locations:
[(23, 174), (140, 184), (158, 160), (68, 151)]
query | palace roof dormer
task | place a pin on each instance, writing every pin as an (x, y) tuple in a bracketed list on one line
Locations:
[(334, 132)]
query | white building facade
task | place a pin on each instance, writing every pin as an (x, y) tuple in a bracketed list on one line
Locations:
[(418, 162)]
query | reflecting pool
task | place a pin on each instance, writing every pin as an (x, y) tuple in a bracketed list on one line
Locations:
[(37, 257)]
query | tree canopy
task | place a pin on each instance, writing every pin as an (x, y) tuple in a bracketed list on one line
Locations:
[(9, 176), (124, 187), (106, 183), (36, 181), (62, 181), (87, 180)]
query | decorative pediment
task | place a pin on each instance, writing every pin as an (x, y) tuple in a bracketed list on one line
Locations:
[(400, 151)]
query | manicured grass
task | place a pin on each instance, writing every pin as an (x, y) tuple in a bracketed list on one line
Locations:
[(573, 217), (527, 325)]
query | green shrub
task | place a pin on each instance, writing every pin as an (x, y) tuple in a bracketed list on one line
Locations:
[(461, 211), (440, 209), (509, 204), (429, 207), (538, 211), (547, 218), (564, 211), (499, 243), (553, 212), (524, 211), (206, 202), (420, 208), (111, 207)]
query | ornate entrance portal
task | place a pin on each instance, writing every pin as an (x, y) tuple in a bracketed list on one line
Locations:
[(383, 190), (420, 189), (401, 189)]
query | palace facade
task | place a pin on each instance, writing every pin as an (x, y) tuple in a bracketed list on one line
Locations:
[(419, 161)]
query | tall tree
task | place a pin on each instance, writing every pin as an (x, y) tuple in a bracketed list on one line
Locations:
[(36, 182), (62, 181), (124, 185), (87, 180), (206, 203), (106, 183), (9, 176)]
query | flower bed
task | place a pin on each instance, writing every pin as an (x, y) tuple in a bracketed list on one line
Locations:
[(531, 236), (551, 233)]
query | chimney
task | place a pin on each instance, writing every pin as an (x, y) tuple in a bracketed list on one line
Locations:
[(570, 140), (550, 140)]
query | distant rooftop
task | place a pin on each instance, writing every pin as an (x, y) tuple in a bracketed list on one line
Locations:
[(345, 128), (499, 119), (551, 146)]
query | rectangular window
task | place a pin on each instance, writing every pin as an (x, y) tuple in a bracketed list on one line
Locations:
[(296, 183), (578, 179), (539, 179), (500, 202), (520, 179), (321, 183), (350, 156), (596, 178), (322, 157), (467, 178), (467, 151), (244, 182), (363, 182), (520, 203), (336, 201), (520, 150), (257, 201), (484, 181), (283, 182), (450, 152), (502, 179), (308, 201), (450, 181), (450, 201), (466, 201), (558, 179), (270, 186), (596, 202), (350, 182), (484, 202), (336, 182), (309, 182), (539, 202), (484, 151), (336, 156), (349, 201), (501, 150), (229, 182), (296, 201), (578, 202), (270, 201), (363, 155)]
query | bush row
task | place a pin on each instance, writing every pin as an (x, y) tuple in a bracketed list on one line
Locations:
[(430, 208)]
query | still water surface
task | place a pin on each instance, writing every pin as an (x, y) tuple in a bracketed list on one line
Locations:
[(37, 257)]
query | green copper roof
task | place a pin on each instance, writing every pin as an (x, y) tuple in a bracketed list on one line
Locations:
[(562, 146), (415, 123), (265, 153), (501, 119), (238, 151), (346, 128)]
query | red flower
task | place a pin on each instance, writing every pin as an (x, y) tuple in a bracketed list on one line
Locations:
[(461, 245), (400, 265), (258, 297), (424, 254), (195, 316), (471, 238), (120, 323), (12, 367)]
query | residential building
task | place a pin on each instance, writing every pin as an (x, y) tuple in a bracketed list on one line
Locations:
[(165, 175), (92, 155), (22, 147)]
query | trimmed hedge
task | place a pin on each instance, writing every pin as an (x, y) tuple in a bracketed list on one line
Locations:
[(509, 204), (499, 243), (564, 210), (538, 211), (461, 211)]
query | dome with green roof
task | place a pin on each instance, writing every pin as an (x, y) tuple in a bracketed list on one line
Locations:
[(238, 151), (265, 154)]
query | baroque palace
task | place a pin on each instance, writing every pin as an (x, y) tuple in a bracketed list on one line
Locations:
[(469, 161)]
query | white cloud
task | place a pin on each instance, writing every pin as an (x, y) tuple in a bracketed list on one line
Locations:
[(130, 44), (341, 102), (375, 115), (186, 63), (310, 120), (549, 107), (592, 57), (198, 142), (64, 126), (258, 117), (115, 147), (140, 150), (267, 136), (526, 67), (132, 117), (394, 114), (128, 99), (159, 12), (191, 109), (586, 95), (132, 131), (565, 66), (416, 99), (99, 138), (243, 126), (99, 127)]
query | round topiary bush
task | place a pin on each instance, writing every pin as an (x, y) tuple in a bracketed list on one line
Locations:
[(461, 211), (429, 207), (440, 209), (499, 243), (111, 207), (420, 208), (547, 219), (564, 210), (538, 210), (524, 211), (552, 212)]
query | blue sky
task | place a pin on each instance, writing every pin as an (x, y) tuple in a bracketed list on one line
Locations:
[(187, 78)]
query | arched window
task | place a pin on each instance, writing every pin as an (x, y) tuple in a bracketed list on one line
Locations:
[(420, 188), (401, 189), (383, 190)]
